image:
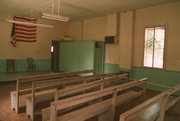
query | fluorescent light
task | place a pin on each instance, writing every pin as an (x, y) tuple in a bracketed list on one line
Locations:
[(28, 23), (54, 17)]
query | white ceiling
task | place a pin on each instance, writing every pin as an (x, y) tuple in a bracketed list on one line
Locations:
[(75, 9)]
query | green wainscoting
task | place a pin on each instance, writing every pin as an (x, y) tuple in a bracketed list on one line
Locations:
[(2, 66), (165, 77), (21, 65), (110, 68), (43, 64)]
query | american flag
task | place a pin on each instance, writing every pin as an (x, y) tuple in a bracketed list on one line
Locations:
[(23, 33)]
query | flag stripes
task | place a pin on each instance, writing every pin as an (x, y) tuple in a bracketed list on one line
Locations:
[(26, 30), (23, 33)]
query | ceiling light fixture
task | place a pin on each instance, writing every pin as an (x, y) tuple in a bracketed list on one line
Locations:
[(29, 23), (53, 16)]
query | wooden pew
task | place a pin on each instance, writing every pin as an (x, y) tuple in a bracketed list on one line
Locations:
[(152, 109), (73, 89), (82, 88), (27, 80), (102, 106)]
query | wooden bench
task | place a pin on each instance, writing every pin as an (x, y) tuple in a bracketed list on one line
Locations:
[(96, 85), (23, 84), (106, 106), (55, 93), (152, 109)]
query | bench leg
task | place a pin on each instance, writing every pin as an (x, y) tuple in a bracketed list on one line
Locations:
[(29, 110), (46, 115), (107, 116), (14, 104), (163, 109)]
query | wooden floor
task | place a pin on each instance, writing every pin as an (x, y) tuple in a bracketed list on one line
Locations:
[(6, 114)]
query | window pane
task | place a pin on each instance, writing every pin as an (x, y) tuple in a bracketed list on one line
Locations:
[(159, 47), (148, 50)]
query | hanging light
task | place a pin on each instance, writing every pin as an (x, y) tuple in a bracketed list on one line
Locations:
[(29, 23), (53, 16)]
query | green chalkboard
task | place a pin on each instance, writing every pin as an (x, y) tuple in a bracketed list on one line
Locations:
[(80, 55), (76, 55)]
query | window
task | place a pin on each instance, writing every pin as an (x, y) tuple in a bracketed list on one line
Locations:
[(154, 47)]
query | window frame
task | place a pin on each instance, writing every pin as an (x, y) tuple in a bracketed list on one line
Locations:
[(164, 50)]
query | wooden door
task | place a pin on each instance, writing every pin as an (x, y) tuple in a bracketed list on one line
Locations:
[(55, 56)]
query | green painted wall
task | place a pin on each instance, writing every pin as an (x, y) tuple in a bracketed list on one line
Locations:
[(21, 65), (76, 55), (165, 77), (2, 66), (110, 68), (99, 57), (43, 64)]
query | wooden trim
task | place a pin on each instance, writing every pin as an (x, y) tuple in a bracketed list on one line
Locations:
[(154, 68), (153, 46), (133, 38), (165, 47)]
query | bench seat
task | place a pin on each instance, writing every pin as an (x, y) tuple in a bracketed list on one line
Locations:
[(94, 109), (87, 112)]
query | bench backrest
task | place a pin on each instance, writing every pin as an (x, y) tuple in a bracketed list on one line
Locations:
[(29, 79), (150, 109), (26, 79), (49, 80), (87, 82), (62, 82), (86, 86), (66, 103)]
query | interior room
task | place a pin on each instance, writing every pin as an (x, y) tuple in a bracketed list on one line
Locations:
[(105, 60)]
